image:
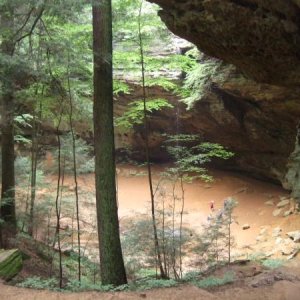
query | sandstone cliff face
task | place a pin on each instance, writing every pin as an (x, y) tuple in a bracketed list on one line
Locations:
[(256, 121), (260, 37)]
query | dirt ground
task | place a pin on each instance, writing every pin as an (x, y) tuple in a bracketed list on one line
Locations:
[(280, 290)]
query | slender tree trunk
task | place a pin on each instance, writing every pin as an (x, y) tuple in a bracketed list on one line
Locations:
[(181, 222), (34, 160), (58, 203), (74, 171), (37, 117), (8, 214), (229, 238), (146, 126), (111, 259)]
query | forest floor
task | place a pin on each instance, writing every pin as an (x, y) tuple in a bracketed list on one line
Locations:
[(266, 235), (253, 283)]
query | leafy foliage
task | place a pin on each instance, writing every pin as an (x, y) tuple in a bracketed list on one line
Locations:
[(212, 281), (39, 283), (137, 241), (85, 162), (200, 79), (86, 285), (272, 263), (190, 155), (160, 69), (150, 283), (135, 114), (216, 240)]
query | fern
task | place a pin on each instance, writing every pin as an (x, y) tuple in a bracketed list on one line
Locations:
[(135, 114), (190, 155), (39, 283), (165, 83), (200, 79), (212, 281), (155, 283), (120, 87)]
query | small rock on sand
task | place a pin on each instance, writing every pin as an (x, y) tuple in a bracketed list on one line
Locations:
[(263, 231), (294, 235), (245, 226), (276, 232), (283, 203), (277, 212), (287, 213)]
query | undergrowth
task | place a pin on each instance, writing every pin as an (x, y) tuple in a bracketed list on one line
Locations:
[(85, 285), (213, 281), (39, 283), (272, 263)]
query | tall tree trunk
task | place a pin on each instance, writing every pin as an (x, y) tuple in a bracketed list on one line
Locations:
[(146, 140), (8, 229), (111, 259), (74, 171), (34, 160)]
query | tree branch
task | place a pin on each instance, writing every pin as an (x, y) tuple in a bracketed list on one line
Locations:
[(38, 17), (25, 23)]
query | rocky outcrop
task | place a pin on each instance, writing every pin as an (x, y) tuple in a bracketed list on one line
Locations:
[(291, 180), (260, 37), (256, 121)]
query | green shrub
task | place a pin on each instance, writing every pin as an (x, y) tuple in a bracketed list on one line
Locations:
[(85, 285), (151, 283), (23, 171), (191, 276), (213, 281), (39, 283), (84, 161), (273, 263)]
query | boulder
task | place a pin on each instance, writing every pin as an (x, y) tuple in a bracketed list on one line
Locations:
[(277, 212), (287, 249), (276, 232), (294, 235), (287, 213), (283, 203), (10, 263), (263, 231)]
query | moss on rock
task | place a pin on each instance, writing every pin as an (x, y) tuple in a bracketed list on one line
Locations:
[(10, 263)]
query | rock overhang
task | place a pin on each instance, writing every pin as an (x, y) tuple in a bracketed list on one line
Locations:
[(260, 37)]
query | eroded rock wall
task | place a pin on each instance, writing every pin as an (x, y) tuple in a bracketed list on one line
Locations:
[(256, 121), (260, 37)]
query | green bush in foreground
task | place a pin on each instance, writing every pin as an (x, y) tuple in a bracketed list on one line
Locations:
[(76, 286), (153, 284), (39, 283), (212, 281), (272, 263)]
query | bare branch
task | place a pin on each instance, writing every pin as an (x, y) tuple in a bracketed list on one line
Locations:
[(25, 23), (38, 17)]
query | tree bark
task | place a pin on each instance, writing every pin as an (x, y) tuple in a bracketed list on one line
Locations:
[(8, 215), (111, 259)]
